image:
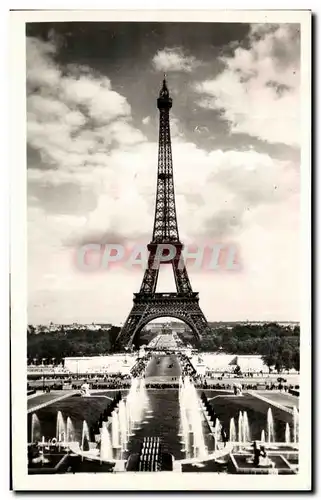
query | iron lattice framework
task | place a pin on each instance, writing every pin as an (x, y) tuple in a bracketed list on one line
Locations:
[(184, 304)]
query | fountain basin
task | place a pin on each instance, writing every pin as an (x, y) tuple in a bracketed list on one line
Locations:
[(243, 464)]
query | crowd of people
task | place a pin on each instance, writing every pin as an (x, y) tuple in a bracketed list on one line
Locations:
[(54, 369), (112, 383), (187, 368), (140, 366), (102, 381), (123, 382), (252, 387)]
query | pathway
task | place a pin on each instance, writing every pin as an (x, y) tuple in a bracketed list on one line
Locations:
[(46, 399)]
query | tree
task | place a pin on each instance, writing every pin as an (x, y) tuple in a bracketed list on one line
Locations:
[(296, 359), (278, 365), (269, 360), (296, 331), (286, 358)]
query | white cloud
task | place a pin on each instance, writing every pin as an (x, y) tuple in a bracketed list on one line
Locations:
[(176, 128), (220, 196), (243, 196), (259, 90), (102, 103), (146, 120), (40, 67), (73, 117), (215, 192), (174, 59)]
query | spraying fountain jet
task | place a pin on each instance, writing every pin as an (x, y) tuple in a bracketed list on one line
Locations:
[(295, 425), (191, 419), (35, 429), (123, 425), (115, 430), (270, 427), (240, 427), (85, 436), (217, 432), (70, 431), (106, 450), (287, 434), (246, 428), (136, 401), (60, 428), (232, 434)]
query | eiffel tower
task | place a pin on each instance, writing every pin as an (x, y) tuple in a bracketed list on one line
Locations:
[(184, 303)]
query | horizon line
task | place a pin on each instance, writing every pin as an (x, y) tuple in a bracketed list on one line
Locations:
[(179, 321)]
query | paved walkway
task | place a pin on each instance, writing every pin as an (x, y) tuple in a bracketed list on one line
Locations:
[(44, 399), (268, 398), (283, 398), (163, 367), (40, 399)]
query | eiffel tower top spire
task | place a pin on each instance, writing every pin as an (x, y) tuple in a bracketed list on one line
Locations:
[(164, 101), (165, 222)]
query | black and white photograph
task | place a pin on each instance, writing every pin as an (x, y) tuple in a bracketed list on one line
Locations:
[(161, 337)]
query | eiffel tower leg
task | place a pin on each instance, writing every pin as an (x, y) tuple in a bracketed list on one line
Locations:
[(127, 333), (202, 327)]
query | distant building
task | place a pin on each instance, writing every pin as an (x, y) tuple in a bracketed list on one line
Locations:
[(112, 364), (172, 325), (53, 327)]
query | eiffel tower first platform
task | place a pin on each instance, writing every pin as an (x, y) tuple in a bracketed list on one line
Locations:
[(184, 303)]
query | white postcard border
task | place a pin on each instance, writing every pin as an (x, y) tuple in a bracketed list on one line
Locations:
[(131, 481)]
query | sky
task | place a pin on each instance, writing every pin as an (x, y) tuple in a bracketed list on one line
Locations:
[(92, 145)]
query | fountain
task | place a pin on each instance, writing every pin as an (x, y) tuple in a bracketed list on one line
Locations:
[(60, 428), (70, 430), (106, 450), (199, 447), (143, 393), (85, 436), (35, 429), (240, 427), (41, 457), (191, 419), (270, 427), (287, 434), (123, 425), (295, 425), (184, 430), (115, 429), (246, 428), (244, 434), (263, 436), (217, 432), (136, 403), (232, 434)]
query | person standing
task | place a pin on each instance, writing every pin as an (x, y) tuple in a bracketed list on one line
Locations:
[(224, 436)]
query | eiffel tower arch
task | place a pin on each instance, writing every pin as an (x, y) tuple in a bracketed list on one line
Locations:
[(149, 308), (184, 303)]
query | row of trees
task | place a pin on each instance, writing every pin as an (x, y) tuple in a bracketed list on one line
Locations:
[(60, 344), (278, 344)]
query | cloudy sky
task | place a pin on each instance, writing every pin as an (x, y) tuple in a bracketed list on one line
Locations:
[(92, 161)]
